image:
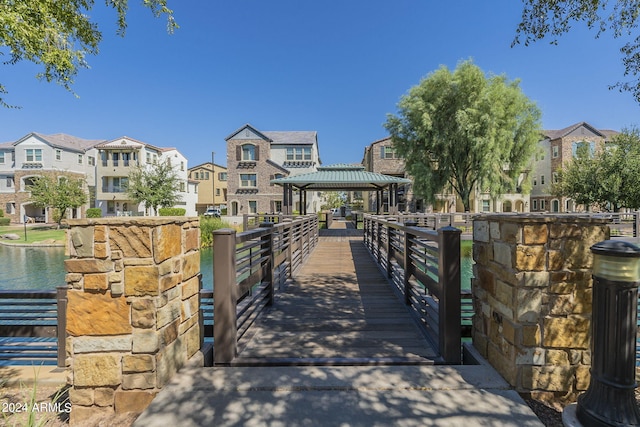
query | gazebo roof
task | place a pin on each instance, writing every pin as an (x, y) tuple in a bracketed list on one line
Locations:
[(346, 177)]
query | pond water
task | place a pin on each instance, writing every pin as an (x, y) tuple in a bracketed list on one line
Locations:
[(43, 268)]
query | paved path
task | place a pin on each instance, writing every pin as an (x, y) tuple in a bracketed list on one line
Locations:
[(338, 310), (338, 396)]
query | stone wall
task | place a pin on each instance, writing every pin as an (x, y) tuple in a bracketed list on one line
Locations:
[(532, 299), (133, 309)]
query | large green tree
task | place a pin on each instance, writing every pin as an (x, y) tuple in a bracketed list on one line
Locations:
[(156, 186), (542, 18), (58, 191), (608, 177), (464, 130), (59, 34)]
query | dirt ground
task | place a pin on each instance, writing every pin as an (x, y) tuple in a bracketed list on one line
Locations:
[(52, 408)]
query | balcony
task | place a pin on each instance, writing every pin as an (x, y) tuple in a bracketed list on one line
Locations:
[(32, 165)]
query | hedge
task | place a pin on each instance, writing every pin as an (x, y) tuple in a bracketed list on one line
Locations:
[(94, 213), (172, 211)]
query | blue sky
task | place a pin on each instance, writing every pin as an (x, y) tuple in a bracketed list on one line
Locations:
[(334, 66)]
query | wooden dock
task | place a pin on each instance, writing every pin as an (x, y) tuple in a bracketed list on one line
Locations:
[(338, 310)]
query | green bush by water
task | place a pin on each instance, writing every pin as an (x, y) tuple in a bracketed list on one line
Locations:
[(94, 213), (207, 227), (172, 211)]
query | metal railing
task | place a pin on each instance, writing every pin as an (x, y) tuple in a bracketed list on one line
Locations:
[(33, 327), (424, 266), (248, 268)]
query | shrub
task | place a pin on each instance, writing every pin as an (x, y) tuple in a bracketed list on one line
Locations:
[(94, 213), (1, 213), (172, 211), (207, 227), (5, 221)]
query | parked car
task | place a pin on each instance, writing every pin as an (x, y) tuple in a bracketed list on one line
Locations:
[(212, 213)]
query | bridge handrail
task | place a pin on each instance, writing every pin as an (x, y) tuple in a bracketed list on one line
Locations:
[(248, 268), (34, 314), (424, 266)]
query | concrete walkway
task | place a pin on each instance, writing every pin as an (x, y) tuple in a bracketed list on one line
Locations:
[(467, 396), (346, 395)]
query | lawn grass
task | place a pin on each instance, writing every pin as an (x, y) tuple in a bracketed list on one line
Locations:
[(35, 234)]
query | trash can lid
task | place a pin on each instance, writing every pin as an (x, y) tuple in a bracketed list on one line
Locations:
[(620, 248)]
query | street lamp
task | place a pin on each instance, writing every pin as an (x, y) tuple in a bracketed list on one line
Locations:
[(610, 398)]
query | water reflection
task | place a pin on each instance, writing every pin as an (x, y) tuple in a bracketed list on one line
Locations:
[(31, 268), (43, 268)]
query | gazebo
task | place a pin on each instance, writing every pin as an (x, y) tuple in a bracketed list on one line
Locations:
[(340, 177)]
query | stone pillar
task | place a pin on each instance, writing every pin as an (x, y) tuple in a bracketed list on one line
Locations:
[(532, 299), (133, 309)]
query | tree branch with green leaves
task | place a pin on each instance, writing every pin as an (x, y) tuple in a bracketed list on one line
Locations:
[(59, 35), (58, 191), (156, 186), (546, 18), (464, 130)]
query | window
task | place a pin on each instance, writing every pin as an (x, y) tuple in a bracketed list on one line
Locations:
[(126, 158), (554, 177), (534, 205), (105, 158), (34, 154), (253, 206), (554, 151), (111, 207), (9, 182), (217, 191), (248, 152), (116, 158), (222, 176), (389, 152), (299, 153), (542, 204), (1, 157), (535, 181), (577, 145), (91, 160), (148, 158), (486, 205), (182, 187), (80, 157), (206, 176), (541, 179), (248, 180), (181, 166), (9, 208), (58, 154)]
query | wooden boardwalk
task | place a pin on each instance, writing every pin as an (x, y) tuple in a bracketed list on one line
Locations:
[(338, 310)]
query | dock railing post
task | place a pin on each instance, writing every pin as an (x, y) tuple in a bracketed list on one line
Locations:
[(61, 297), (225, 330), (408, 264), (450, 336), (267, 244)]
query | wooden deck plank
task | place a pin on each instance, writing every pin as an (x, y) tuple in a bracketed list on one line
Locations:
[(338, 307)]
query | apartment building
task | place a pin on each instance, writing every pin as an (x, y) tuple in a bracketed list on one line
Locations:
[(36, 155), (556, 148), (212, 186), (118, 158), (256, 157), (381, 157)]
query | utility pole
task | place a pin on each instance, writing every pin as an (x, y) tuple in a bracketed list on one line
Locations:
[(213, 179)]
